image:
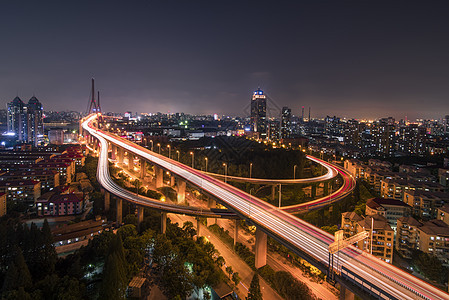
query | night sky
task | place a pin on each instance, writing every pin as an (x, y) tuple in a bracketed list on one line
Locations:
[(355, 59)]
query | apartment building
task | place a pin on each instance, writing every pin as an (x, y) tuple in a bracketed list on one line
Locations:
[(21, 190), (391, 209), (407, 236), (425, 203), (60, 204), (382, 234)]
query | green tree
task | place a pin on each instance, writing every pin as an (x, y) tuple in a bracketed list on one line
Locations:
[(20, 293), (127, 231), (113, 285), (130, 219), (254, 292), (175, 278), (69, 288), (429, 265), (330, 229), (189, 229), (236, 278), (18, 274), (220, 261), (229, 271), (48, 256)]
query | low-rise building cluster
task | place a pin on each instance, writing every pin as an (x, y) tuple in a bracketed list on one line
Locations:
[(26, 173), (414, 208)]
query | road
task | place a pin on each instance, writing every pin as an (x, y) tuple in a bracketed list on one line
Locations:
[(384, 278), (233, 260)]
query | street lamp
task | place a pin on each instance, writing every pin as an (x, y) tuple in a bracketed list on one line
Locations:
[(177, 151), (250, 170), (294, 172), (205, 159), (226, 171), (193, 158), (151, 145), (159, 145), (169, 151)]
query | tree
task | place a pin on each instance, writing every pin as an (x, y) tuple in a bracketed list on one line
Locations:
[(330, 229), (229, 271), (130, 219), (254, 292), (69, 289), (114, 280), (127, 231), (175, 279), (236, 278), (49, 256), (20, 293), (429, 265), (189, 229), (220, 261), (18, 274)]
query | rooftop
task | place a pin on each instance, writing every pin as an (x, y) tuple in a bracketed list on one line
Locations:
[(375, 203)]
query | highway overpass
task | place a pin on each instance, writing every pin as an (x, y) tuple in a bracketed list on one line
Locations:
[(354, 267)]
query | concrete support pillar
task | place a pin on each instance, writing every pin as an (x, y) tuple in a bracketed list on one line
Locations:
[(211, 204), (325, 188), (113, 152), (163, 222), (345, 294), (172, 181), (313, 191), (273, 192), (236, 231), (121, 154), (181, 191), (159, 174), (118, 202), (198, 227), (261, 248), (143, 168), (107, 200), (139, 216), (130, 161)]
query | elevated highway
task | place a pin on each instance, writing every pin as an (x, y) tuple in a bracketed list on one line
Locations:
[(372, 275)]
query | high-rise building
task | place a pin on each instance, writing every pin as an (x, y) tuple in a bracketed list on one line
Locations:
[(411, 139), (26, 121), (286, 122), (446, 124), (385, 133), (16, 116), (353, 133), (35, 123), (259, 114), (273, 130)]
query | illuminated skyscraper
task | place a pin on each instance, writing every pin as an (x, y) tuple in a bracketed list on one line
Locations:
[(16, 116), (286, 123), (35, 123), (26, 121), (259, 114)]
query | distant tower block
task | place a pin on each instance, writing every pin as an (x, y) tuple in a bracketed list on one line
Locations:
[(259, 113)]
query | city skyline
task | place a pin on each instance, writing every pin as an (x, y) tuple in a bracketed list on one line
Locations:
[(354, 60)]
